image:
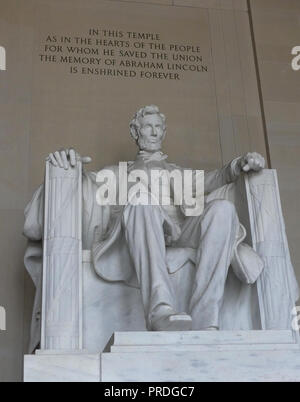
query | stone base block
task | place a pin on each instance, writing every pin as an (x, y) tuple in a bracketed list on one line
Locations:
[(192, 356), (240, 366), (77, 367)]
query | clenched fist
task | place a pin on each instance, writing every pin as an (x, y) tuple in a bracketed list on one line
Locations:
[(252, 161)]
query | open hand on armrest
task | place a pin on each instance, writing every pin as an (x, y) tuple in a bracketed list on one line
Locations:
[(66, 158)]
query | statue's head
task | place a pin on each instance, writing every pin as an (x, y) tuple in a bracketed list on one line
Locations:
[(148, 128)]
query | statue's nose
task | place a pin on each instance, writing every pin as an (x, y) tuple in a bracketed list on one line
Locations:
[(154, 132)]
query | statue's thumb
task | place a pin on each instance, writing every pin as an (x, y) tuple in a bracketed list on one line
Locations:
[(86, 159)]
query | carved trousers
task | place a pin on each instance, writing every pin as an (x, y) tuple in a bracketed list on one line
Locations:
[(212, 235)]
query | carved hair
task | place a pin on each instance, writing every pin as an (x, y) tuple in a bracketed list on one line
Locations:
[(135, 124)]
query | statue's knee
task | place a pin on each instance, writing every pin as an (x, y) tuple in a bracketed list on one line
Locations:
[(223, 207), (141, 210)]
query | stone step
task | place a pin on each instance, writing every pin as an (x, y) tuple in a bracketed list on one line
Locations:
[(72, 367), (183, 338), (199, 348), (176, 356), (225, 366)]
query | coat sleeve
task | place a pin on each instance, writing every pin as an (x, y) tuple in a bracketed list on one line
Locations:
[(33, 258), (33, 230), (219, 177), (34, 211)]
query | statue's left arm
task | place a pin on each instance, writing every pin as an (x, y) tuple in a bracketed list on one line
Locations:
[(252, 161)]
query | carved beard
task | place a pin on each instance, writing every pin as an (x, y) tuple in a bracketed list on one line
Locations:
[(145, 145)]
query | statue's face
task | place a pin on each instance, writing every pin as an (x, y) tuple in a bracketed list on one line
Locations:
[(151, 133)]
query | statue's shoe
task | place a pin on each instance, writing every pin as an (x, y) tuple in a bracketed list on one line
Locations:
[(173, 322), (210, 329)]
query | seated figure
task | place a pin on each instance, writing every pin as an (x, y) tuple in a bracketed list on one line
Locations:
[(143, 245)]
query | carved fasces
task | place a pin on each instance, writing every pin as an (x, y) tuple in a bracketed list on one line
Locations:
[(275, 290), (62, 261)]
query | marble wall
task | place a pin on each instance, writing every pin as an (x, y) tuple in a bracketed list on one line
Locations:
[(16, 35), (220, 116), (276, 27)]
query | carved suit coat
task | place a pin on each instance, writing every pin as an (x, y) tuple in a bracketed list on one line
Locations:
[(109, 249)]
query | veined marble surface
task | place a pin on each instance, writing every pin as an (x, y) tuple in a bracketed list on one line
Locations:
[(176, 356), (184, 338), (241, 365), (62, 368), (269, 355)]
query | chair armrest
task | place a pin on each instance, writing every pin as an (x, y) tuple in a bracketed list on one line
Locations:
[(62, 259), (277, 285), (257, 201)]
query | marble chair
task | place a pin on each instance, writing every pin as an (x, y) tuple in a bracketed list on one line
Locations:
[(81, 311)]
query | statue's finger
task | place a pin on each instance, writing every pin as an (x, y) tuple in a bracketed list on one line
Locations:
[(86, 159), (255, 163), (52, 159), (258, 158), (64, 159), (72, 155), (58, 159), (246, 168), (260, 162), (66, 150), (250, 162)]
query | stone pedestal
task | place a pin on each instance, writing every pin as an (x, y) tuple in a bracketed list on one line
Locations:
[(176, 356), (59, 366)]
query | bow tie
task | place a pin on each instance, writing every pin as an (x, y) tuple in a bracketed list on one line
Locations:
[(151, 156)]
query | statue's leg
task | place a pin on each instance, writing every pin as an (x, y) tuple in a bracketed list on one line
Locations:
[(143, 228), (213, 234)]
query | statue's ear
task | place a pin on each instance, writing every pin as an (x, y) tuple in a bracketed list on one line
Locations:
[(134, 132)]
